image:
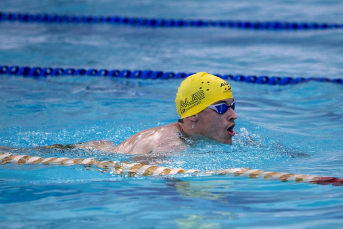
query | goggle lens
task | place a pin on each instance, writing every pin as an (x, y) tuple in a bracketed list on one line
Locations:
[(222, 108)]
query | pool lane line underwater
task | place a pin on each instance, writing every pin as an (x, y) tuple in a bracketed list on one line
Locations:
[(164, 23), (36, 72), (139, 169)]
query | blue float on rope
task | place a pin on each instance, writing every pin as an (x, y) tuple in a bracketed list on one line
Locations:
[(56, 72), (227, 77), (12, 70), (239, 78), (250, 79), (79, 71), (274, 80), (45, 72), (262, 80), (146, 74), (102, 72), (124, 74), (156, 75), (68, 71), (180, 75), (168, 75), (135, 74), (114, 73), (34, 71), (23, 71)]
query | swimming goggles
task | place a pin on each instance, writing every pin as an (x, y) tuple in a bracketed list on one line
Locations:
[(221, 108)]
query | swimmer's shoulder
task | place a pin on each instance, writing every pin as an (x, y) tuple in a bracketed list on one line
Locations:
[(147, 141)]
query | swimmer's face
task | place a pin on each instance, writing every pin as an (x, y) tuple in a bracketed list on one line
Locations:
[(216, 126)]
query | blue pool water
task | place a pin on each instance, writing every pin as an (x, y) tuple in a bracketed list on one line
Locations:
[(295, 128)]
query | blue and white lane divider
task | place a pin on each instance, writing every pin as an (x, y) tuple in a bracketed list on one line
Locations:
[(156, 22), (36, 72)]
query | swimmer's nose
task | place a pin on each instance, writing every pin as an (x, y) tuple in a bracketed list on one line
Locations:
[(232, 115)]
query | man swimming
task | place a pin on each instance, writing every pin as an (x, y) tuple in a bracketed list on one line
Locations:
[(206, 107)]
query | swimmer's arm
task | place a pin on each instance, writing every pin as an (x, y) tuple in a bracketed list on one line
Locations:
[(92, 145), (42, 149), (105, 146), (7, 148)]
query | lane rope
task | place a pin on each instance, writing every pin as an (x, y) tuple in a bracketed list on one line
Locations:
[(157, 22), (140, 169), (36, 72)]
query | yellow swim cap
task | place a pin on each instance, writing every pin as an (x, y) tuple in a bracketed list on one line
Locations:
[(198, 91)]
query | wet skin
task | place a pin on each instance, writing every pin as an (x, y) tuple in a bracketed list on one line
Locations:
[(207, 124), (159, 139)]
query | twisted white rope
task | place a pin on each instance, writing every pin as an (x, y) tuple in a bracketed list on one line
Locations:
[(151, 170)]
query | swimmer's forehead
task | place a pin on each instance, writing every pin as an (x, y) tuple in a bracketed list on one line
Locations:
[(227, 101)]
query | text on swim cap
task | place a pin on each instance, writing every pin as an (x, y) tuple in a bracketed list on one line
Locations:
[(228, 88), (196, 99)]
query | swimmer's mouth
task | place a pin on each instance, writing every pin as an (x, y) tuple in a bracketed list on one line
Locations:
[(230, 130)]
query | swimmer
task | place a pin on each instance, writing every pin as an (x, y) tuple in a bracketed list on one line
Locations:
[(206, 107)]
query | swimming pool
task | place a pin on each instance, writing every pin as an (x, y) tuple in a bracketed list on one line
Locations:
[(296, 128)]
